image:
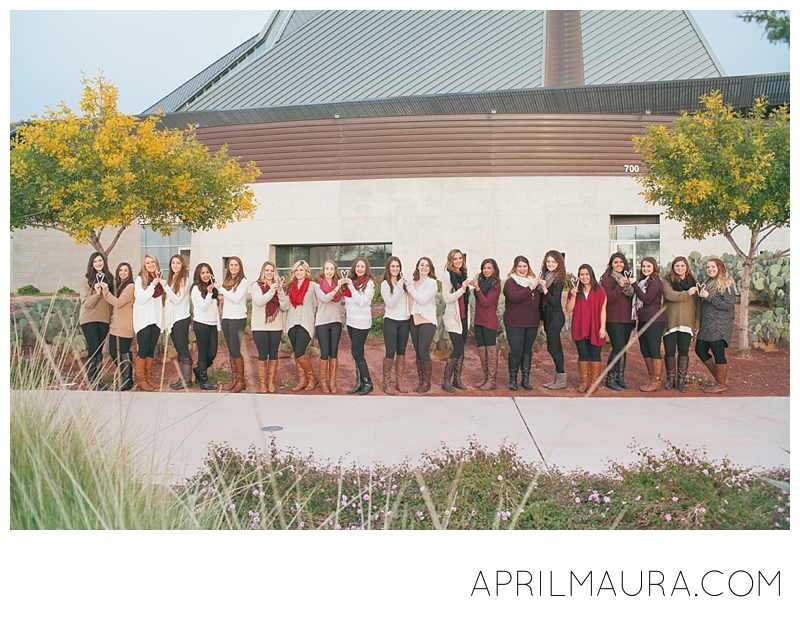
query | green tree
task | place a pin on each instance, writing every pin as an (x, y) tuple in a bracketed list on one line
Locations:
[(716, 172), (101, 169), (776, 23)]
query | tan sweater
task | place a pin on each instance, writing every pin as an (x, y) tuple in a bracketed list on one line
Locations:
[(94, 308), (682, 309), (122, 321)]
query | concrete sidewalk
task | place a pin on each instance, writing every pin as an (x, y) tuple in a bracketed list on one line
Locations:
[(172, 430)]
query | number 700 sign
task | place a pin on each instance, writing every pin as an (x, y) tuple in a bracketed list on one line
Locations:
[(631, 168)]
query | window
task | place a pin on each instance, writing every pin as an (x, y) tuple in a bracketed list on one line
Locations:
[(636, 236), (163, 247), (344, 255)]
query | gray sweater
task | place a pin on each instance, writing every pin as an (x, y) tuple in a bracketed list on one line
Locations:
[(716, 319)]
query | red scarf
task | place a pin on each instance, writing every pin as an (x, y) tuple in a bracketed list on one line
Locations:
[(359, 284), (273, 305), (298, 293), (327, 288), (159, 289)]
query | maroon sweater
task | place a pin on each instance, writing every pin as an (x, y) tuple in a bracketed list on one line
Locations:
[(486, 308), (651, 300), (618, 306), (586, 316), (522, 305)]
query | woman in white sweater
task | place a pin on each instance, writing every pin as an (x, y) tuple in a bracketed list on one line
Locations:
[(358, 305), (328, 324), (148, 314), (455, 292), (234, 319), (177, 319), (270, 304), (300, 322), (205, 322), (423, 318), (396, 326)]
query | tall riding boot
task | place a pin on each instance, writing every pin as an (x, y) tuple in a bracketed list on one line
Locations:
[(683, 368), (583, 370), (483, 356), (457, 383), (721, 383), (366, 380), (671, 366), (359, 382), (232, 365), (311, 379), (491, 369), (302, 380), (447, 379), (655, 376), (648, 362), (526, 372), (184, 374), (426, 368), (149, 362), (241, 384), (202, 378), (595, 370), (513, 373), (400, 374), (333, 370), (272, 369), (388, 380), (611, 377), (712, 367), (141, 376), (420, 379), (620, 373), (323, 376), (126, 372), (262, 376)]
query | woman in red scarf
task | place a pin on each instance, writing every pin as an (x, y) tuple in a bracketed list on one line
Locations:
[(270, 304), (328, 324), (300, 322), (587, 301), (148, 314)]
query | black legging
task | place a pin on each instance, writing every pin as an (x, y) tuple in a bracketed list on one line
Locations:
[(300, 339), (95, 333), (328, 336), (180, 337), (357, 339), (233, 331), (717, 347), (680, 340), (267, 344), (520, 341), (588, 352), (552, 329), (619, 334), (459, 340), (650, 340), (395, 336), (118, 346), (421, 338), (146, 341), (207, 342), (485, 336)]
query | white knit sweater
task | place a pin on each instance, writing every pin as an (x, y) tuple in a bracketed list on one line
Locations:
[(206, 311), (397, 303), (359, 306), (147, 310), (176, 307), (258, 320), (235, 304), (424, 299)]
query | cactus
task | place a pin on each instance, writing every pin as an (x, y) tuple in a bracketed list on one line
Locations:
[(769, 330)]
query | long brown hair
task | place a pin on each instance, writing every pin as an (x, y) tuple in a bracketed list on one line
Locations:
[(560, 274), (231, 282), (387, 276), (119, 283), (335, 271), (431, 274), (203, 286), (593, 283), (517, 260), (449, 263), (91, 276), (180, 278), (673, 277), (495, 276), (652, 276), (144, 275), (367, 273)]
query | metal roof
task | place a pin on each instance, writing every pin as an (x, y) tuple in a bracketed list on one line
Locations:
[(670, 97)]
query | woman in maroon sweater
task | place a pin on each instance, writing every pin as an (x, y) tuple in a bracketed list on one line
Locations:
[(521, 318), (487, 294), (588, 302), (648, 293), (619, 319)]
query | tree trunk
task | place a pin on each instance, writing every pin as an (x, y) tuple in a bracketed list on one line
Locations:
[(744, 309)]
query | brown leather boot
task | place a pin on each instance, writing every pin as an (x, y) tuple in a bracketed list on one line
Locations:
[(262, 376), (239, 383), (419, 376), (311, 379), (333, 370), (491, 369), (483, 356), (683, 368), (655, 376), (595, 370), (648, 362), (302, 380), (388, 381), (447, 379), (426, 377), (141, 375), (323, 376), (149, 362), (272, 369), (232, 365), (712, 368), (583, 371), (400, 374), (457, 383), (721, 383)]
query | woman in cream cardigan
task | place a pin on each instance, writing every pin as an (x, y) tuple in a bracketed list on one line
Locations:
[(455, 292), (423, 291), (121, 330), (300, 318), (267, 323)]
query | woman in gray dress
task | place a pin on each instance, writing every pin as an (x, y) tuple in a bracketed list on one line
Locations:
[(717, 297)]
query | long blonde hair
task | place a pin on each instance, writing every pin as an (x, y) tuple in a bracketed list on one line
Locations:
[(263, 278), (144, 275), (724, 278), (292, 278)]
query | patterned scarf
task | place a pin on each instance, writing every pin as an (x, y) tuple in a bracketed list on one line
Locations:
[(159, 291), (273, 305)]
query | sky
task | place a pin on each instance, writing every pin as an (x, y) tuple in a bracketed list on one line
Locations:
[(147, 54)]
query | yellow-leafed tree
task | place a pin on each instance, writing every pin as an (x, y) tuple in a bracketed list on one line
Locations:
[(102, 169)]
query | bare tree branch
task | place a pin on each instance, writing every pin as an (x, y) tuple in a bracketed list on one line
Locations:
[(727, 232)]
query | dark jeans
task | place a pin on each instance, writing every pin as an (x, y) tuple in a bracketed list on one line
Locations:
[(146, 341), (118, 346), (328, 336), (650, 340), (233, 331), (207, 342), (588, 352), (485, 336), (95, 333), (300, 340), (395, 336), (619, 334), (267, 344), (552, 329), (680, 340), (520, 341), (180, 338), (357, 339), (421, 338), (717, 347)]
